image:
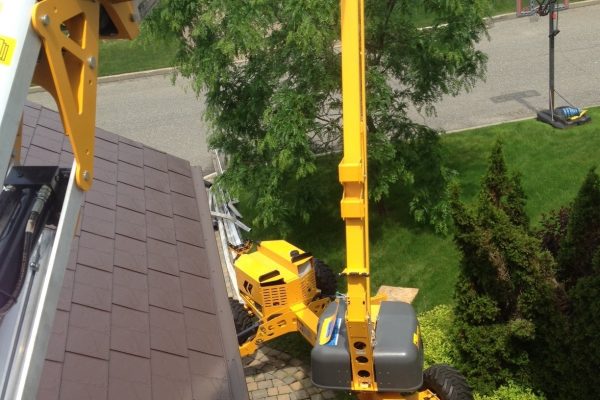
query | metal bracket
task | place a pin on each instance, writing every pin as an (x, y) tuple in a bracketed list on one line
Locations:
[(125, 16), (68, 68)]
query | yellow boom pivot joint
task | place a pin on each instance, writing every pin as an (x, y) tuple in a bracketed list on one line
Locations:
[(68, 66)]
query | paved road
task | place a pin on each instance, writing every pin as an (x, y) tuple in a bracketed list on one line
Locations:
[(517, 75), (153, 111), (169, 117)]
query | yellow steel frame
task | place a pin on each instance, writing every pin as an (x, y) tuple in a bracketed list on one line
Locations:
[(298, 317), (422, 395), (361, 308), (68, 66), (354, 204)]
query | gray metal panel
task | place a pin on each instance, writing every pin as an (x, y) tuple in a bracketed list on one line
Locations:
[(398, 360), (330, 363)]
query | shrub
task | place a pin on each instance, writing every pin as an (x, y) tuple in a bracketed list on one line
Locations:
[(436, 325), (511, 391), (583, 354), (574, 236)]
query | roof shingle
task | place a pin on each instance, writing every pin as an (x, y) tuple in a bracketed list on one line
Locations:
[(136, 317)]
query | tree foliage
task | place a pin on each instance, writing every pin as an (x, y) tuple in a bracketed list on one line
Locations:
[(270, 71), (585, 339), (436, 325), (553, 229), (507, 318), (580, 245), (573, 234)]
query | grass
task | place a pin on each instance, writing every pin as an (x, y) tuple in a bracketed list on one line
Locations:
[(553, 163), (508, 6), (122, 56), (403, 253)]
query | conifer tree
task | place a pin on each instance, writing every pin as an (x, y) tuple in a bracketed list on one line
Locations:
[(575, 258), (579, 271), (505, 310), (584, 349)]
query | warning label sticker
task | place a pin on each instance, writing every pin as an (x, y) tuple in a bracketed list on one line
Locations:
[(7, 48)]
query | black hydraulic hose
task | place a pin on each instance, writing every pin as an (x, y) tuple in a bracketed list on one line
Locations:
[(31, 229), (15, 206)]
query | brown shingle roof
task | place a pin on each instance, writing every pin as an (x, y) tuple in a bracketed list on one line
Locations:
[(143, 312)]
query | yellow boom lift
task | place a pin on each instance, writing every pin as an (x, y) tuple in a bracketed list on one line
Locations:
[(361, 344), (365, 345), (53, 43)]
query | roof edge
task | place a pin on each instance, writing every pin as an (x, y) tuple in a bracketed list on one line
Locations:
[(237, 380)]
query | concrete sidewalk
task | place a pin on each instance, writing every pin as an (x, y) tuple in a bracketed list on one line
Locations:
[(148, 108)]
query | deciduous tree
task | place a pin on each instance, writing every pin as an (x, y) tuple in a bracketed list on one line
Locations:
[(270, 71)]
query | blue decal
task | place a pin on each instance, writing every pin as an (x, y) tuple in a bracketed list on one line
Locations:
[(336, 333)]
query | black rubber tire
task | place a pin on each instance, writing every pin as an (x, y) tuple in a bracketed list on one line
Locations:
[(326, 279), (447, 383), (242, 320)]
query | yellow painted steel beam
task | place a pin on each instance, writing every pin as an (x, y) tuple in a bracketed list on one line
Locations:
[(124, 15), (69, 30), (354, 203), (422, 395), (306, 321)]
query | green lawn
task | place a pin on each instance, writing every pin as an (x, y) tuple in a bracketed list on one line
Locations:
[(553, 164), (121, 56), (508, 6)]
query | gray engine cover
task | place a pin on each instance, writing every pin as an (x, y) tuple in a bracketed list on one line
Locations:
[(330, 363), (397, 360)]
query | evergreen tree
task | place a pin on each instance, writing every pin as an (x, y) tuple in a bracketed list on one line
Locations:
[(553, 229), (515, 202), (584, 351), (575, 258), (506, 313), (577, 232)]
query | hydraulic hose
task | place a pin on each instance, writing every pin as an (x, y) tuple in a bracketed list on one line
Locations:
[(32, 228)]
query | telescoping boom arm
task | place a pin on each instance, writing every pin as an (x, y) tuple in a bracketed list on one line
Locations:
[(366, 345), (355, 201)]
